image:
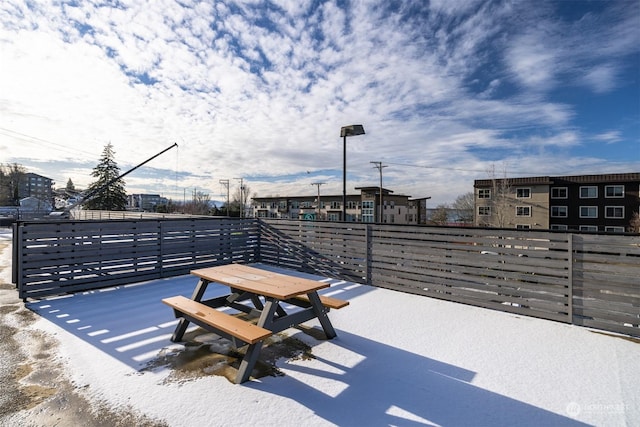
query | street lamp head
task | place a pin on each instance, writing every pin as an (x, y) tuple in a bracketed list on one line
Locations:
[(352, 130)]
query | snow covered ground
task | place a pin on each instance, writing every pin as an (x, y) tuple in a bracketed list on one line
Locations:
[(399, 359)]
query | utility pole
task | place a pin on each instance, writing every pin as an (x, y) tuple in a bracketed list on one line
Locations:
[(379, 166), (225, 182), (318, 184), (241, 196)]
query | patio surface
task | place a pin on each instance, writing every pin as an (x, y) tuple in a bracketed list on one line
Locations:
[(399, 359)]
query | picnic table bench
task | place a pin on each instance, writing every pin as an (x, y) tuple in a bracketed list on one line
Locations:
[(259, 294)]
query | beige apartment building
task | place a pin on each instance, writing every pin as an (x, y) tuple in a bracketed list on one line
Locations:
[(512, 203)]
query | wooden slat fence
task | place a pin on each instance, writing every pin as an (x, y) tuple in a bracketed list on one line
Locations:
[(606, 282), (334, 249), (584, 279), (71, 256)]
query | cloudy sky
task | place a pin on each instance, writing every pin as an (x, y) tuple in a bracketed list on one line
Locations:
[(447, 91)]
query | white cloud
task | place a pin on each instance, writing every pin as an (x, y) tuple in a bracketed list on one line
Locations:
[(610, 137), (533, 62), (260, 93), (601, 79)]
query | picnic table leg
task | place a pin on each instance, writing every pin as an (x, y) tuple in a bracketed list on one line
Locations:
[(248, 362), (271, 306), (253, 351), (180, 330), (201, 287), (321, 313)]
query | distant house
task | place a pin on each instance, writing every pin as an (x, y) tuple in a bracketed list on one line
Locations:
[(32, 207)]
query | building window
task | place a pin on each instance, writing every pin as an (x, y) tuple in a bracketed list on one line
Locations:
[(559, 193), (559, 211), (367, 211), (484, 210), (295, 204), (334, 217), (588, 212), (558, 227), (352, 204), (335, 205), (523, 210), (588, 228), (614, 212), (611, 229), (484, 193), (590, 192), (523, 193), (523, 226), (614, 191)]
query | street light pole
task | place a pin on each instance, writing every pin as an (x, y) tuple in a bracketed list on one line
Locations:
[(318, 184), (344, 177), (345, 131), (241, 196), (225, 182), (379, 166)]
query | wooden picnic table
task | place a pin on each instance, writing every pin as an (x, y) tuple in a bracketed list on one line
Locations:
[(260, 294)]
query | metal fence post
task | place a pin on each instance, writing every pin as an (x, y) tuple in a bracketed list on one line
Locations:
[(570, 284), (15, 262), (161, 242), (367, 256)]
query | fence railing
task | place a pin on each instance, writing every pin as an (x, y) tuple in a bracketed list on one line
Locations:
[(98, 215), (584, 279)]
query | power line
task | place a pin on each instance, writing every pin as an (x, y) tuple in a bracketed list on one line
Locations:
[(435, 167), (474, 170), (36, 140)]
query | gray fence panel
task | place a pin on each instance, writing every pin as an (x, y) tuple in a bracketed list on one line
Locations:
[(508, 271), (606, 282), (71, 256), (331, 249)]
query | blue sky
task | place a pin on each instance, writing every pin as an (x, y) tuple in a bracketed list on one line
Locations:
[(448, 92)]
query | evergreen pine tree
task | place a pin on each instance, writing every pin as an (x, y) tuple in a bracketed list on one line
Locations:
[(112, 197)]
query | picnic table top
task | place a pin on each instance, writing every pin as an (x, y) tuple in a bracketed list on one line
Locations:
[(260, 282)]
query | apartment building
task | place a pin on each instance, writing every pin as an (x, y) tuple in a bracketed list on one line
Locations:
[(36, 186), (363, 207), (604, 202)]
